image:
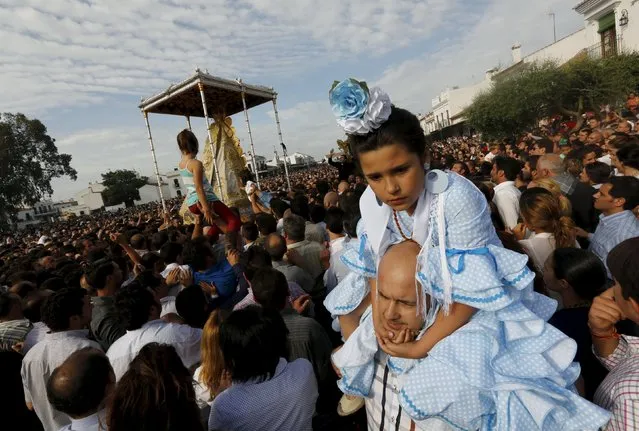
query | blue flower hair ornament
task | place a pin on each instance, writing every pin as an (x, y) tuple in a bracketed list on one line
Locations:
[(359, 110)]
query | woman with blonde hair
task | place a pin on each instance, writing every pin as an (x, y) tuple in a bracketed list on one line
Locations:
[(542, 215), (210, 377), (553, 187)]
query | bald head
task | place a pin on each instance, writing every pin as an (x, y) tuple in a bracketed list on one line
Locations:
[(550, 165), (330, 200), (275, 246), (79, 386), (397, 288), (342, 187)]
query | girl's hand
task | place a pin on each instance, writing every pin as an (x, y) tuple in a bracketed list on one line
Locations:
[(404, 349)]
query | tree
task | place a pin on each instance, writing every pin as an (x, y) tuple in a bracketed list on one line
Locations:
[(583, 84), (122, 186), (29, 160)]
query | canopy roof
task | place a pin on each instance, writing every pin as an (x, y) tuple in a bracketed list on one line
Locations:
[(222, 96)]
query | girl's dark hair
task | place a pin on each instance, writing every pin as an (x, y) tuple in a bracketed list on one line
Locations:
[(598, 172), (156, 393), (187, 142), (349, 203), (623, 263), (581, 269), (402, 127)]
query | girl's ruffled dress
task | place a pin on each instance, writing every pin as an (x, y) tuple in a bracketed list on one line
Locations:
[(507, 368)]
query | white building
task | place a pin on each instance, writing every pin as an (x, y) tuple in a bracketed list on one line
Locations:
[(260, 161), (87, 200), (299, 159), (610, 27), (176, 187), (151, 193)]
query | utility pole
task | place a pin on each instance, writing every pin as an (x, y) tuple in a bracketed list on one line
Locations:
[(554, 26)]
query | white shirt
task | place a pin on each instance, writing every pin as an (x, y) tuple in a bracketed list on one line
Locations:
[(185, 339), (168, 305), (489, 157), (34, 336), (337, 269), (95, 422), (38, 365), (507, 202)]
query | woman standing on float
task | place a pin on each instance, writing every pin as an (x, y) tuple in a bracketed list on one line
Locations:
[(510, 369)]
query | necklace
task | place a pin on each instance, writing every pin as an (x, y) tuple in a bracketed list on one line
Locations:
[(401, 232), (580, 305)]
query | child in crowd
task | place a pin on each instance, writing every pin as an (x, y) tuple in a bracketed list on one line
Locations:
[(200, 197)]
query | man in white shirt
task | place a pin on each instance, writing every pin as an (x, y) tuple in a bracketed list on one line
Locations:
[(140, 313), (337, 269), (79, 388), (504, 173), (67, 313)]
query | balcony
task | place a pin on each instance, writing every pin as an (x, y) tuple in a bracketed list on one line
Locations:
[(606, 49)]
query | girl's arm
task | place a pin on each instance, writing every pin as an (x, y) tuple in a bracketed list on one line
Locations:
[(443, 326), (256, 205)]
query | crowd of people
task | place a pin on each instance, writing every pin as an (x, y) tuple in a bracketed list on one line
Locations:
[(134, 321)]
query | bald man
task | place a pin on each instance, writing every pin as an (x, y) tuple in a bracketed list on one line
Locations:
[(79, 387), (330, 200), (342, 187)]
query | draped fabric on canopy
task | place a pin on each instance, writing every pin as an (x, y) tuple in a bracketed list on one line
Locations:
[(209, 97)]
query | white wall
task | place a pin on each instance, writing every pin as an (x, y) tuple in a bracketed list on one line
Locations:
[(150, 193), (563, 50), (629, 33), (174, 187)]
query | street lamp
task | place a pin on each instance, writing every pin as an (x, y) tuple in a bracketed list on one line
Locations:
[(623, 19)]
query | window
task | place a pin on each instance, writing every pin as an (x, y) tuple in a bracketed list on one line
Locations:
[(608, 34), (27, 217), (179, 193), (176, 183)]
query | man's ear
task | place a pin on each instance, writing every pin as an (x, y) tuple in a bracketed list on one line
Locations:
[(620, 202)]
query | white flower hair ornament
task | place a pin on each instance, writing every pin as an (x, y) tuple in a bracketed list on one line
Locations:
[(359, 110)]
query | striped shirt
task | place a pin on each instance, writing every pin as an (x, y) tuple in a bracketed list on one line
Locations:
[(619, 392), (612, 231), (13, 332), (383, 412)]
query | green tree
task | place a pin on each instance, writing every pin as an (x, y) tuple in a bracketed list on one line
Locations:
[(515, 103), (29, 160), (122, 186)]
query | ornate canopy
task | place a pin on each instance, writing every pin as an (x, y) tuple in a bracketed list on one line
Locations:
[(223, 96)]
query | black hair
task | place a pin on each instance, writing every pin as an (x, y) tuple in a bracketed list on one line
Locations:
[(546, 144), (170, 252), (195, 253), (138, 241), (98, 277), (159, 239), (187, 142), (598, 172), (192, 306), (334, 220), (623, 263), (510, 166), (149, 279), (628, 155), (62, 306), (54, 284), (133, 306), (295, 227), (248, 335), (78, 386), (249, 231), (279, 207), (317, 213), (254, 258), (626, 188), (266, 223), (20, 276), (322, 187), (581, 269), (150, 259), (270, 288), (402, 127), (95, 254), (299, 206), (349, 203), (6, 303)]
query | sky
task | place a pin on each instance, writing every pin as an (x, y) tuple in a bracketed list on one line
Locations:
[(82, 66)]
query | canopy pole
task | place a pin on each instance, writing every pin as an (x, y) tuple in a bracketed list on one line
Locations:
[(155, 160), (208, 130), (188, 122), (248, 126), (279, 133)]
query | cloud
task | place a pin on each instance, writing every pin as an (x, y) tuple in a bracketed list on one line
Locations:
[(69, 53)]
